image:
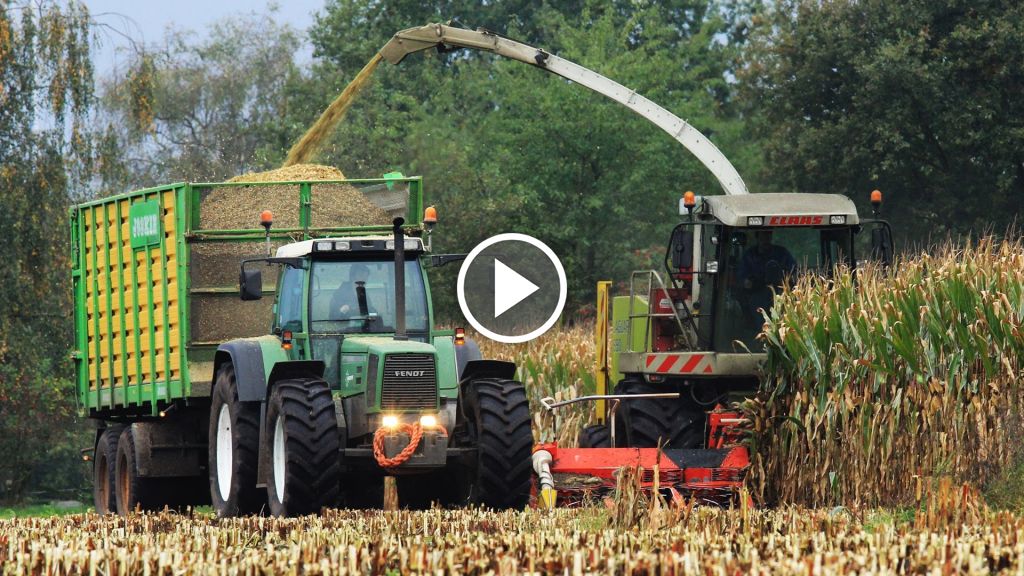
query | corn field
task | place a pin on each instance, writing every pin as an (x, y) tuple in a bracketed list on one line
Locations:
[(878, 387)]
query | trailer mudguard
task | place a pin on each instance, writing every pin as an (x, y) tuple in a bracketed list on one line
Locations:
[(488, 369), (169, 448)]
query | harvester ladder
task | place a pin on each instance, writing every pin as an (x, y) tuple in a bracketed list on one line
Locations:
[(652, 276)]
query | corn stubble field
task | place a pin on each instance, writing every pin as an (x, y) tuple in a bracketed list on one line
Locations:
[(956, 536), (888, 412)]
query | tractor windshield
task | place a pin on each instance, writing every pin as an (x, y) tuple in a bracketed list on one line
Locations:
[(359, 297), (755, 263)]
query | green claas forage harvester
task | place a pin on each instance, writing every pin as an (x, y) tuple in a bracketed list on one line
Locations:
[(324, 377)]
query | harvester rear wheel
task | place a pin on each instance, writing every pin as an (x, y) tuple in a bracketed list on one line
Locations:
[(499, 414), (104, 471), (677, 423), (305, 448), (234, 449), (133, 491)]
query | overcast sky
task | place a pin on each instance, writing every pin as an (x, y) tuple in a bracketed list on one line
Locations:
[(146, 20)]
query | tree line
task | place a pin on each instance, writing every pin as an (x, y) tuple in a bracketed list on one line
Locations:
[(920, 99)]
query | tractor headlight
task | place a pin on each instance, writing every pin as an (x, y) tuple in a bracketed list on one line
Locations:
[(840, 219), (428, 421), (389, 421), (755, 220)]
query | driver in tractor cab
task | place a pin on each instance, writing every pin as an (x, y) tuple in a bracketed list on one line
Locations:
[(762, 270), (345, 302)]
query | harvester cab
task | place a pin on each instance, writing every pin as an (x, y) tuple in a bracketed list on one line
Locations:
[(682, 344), (354, 383)]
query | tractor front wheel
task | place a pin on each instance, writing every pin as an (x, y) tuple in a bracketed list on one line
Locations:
[(305, 448), (499, 415)]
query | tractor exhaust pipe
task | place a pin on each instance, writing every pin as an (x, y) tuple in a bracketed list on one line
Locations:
[(400, 280)]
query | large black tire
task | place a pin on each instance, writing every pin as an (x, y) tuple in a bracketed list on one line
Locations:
[(499, 415), (104, 471), (304, 448), (133, 491), (676, 423), (596, 436), (233, 488)]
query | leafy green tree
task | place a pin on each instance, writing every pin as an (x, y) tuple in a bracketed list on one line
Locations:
[(200, 107), (45, 98), (920, 99)]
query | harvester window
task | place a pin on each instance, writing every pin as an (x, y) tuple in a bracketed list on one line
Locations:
[(759, 263)]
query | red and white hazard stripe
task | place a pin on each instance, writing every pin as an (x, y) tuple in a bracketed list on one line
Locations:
[(680, 363)]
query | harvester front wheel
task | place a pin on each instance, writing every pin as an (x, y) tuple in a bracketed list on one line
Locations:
[(305, 448), (104, 471), (234, 449), (675, 422), (499, 414), (595, 436)]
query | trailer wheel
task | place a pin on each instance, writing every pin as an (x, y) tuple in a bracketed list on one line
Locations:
[(104, 471), (305, 449), (133, 491), (676, 423), (499, 414), (234, 449), (596, 436)]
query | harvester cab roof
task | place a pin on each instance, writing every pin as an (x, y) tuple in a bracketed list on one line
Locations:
[(773, 209)]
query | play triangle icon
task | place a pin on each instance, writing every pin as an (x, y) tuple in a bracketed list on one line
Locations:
[(510, 288)]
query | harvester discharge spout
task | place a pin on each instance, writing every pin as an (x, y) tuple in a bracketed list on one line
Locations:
[(444, 38)]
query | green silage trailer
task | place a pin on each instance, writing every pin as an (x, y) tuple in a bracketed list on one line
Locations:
[(155, 275)]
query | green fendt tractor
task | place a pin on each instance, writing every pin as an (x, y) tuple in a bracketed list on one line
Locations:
[(352, 370), (298, 385)]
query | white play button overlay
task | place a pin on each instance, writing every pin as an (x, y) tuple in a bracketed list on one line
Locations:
[(510, 288)]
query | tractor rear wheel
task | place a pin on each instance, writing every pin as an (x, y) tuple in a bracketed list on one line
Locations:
[(305, 449), (104, 471), (234, 449), (499, 416), (674, 422)]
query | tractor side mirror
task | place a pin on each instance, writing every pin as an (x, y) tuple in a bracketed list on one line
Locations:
[(250, 284), (881, 243), (682, 249)]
